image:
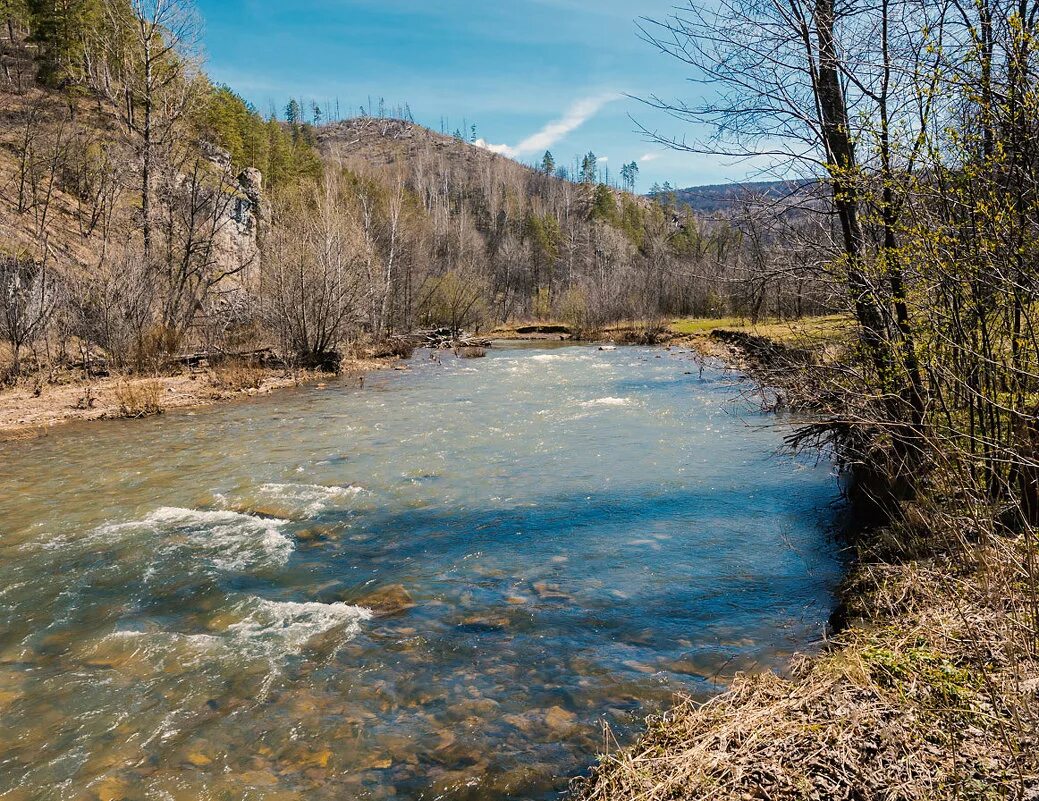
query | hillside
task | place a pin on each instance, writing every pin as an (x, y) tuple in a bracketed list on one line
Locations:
[(714, 198), (389, 142), (206, 227)]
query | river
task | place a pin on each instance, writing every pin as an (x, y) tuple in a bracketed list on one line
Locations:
[(581, 534)]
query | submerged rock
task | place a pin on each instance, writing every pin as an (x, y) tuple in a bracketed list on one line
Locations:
[(481, 623), (112, 789), (560, 722), (550, 592), (390, 600)]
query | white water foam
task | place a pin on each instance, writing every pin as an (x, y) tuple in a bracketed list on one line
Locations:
[(286, 626), (311, 498), (269, 630), (231, 540), (608, 402)]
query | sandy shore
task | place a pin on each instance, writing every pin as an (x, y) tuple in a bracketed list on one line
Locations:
[(27, 412)]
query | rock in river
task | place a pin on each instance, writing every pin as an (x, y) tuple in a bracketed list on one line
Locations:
[(560, 721), (390, 600)]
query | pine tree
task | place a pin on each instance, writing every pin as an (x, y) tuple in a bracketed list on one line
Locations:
[(61, 30), (548, 163), (15, 14), (294, 112), (630, 175), (589, 168)]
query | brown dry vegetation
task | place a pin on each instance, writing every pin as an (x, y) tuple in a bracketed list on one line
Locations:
[(32, 408), (920, 699), (930, 688)]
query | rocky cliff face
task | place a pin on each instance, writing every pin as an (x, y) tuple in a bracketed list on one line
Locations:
[(242, 221)]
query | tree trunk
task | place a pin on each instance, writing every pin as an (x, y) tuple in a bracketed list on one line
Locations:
[(843, 169)]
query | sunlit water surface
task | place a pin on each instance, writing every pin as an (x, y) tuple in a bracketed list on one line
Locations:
[(583, 533)]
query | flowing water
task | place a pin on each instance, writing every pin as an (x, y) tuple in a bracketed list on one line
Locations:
[(581, 533)]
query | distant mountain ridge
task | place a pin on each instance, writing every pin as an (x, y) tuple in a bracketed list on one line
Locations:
[(715, 198)]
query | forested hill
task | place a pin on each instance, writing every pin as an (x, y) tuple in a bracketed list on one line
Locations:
[(142, 215), (715, 198)]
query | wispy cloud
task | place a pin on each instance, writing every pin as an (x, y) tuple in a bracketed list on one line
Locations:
[(651, 156), (576, 116)]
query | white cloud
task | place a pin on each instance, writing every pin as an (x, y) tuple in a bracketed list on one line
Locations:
[(603, 159), (577, 115), (650, 157)]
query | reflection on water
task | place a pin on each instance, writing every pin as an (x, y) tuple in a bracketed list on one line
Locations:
[(564, 537)]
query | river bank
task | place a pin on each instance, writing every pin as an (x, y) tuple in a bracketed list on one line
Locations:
[(927, 690), (33, 409)]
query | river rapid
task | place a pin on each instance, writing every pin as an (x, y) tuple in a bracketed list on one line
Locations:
[(197, 606)]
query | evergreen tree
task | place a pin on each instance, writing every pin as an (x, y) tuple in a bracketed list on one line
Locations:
[(294, 112), (15, 15), (630, 175), (604, 205), (589, 168), (548, 163), (61, 29)]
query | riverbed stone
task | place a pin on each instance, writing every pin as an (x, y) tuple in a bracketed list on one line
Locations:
[(257, 778), (525, 722), (393, 599), (560, 722), (198, 759), (478, 623), (551, 592), (112, 789)]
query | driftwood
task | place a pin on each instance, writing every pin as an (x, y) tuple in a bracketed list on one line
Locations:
[(443, 338), (264, 356)]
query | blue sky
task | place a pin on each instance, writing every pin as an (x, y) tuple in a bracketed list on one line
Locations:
[(529, 74)]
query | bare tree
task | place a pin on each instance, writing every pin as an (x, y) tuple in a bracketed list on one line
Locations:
[(27, 302), (149, 74), (311, 285)]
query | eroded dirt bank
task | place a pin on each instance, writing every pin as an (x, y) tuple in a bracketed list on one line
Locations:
[(31, 410)]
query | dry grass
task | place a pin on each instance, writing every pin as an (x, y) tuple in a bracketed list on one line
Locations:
[(789, 332), (641, 333), (141, 398), (933, 695), (236, 377)]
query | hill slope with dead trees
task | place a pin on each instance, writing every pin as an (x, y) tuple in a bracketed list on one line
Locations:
[(147, 213)]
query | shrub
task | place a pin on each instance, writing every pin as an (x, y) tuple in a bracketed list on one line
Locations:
[(236, 377), (139, 398)]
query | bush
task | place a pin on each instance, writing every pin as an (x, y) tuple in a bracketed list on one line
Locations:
[(139, 398), (649, 334), (237, 377), (471, 352)]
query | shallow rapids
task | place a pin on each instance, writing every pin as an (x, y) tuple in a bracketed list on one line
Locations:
[(435, 586)]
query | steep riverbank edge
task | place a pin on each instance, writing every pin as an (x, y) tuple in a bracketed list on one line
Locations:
[(923, 693), (28, 411)]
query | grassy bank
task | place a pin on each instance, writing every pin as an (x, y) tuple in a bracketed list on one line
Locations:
[(928, 690)]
